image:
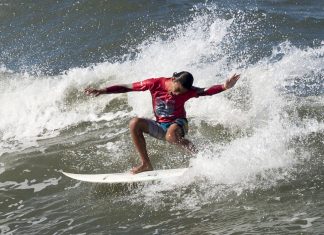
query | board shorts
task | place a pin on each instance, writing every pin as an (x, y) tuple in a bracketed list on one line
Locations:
[(158, 130)]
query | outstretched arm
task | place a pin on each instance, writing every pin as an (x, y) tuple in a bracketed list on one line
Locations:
[(229, 83), (136, 86), (109, 90)]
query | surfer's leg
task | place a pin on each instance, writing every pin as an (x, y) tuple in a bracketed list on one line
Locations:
[(137, 127), (175, 135)]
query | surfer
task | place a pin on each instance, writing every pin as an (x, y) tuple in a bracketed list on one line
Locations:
[(169, 95)]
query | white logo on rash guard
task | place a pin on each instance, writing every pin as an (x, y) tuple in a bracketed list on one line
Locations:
[(164, 108)]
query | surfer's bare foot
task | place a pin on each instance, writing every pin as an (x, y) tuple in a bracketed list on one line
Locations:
[(142, 168)]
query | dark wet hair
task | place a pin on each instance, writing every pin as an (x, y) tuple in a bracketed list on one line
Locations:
[(184, 78)]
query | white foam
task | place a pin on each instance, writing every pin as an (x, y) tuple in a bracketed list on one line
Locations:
[(29, 184), (4, 229), (264, 154), (193, 43), (267, 149), (39, 107)]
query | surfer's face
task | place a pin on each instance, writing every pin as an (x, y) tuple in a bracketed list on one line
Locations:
[(177, 88)]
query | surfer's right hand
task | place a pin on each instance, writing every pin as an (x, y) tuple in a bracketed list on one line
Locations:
[(92, 91)]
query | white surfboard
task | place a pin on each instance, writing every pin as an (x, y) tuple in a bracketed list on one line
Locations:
[(128, 177)]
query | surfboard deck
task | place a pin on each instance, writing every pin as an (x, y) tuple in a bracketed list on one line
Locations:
[(128, 177)]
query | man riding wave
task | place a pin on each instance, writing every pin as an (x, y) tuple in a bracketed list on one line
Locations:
[(169, 95)]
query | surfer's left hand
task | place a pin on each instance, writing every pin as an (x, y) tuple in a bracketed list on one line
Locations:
[(229, 83)]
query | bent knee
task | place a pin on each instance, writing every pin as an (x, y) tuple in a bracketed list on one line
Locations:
[(138, 124), (134, 122), (173, 134), (172, 138)]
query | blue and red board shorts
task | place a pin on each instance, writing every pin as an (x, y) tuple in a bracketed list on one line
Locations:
[(158, 130)]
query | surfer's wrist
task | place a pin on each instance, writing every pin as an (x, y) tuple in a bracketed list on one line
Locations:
[(224, 87), (101, 91)]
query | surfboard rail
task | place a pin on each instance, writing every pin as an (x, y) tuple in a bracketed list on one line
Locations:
[(128, 177)]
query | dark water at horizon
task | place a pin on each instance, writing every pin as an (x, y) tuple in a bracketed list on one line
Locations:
[(260, 165)]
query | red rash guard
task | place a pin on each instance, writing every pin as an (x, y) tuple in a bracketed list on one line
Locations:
[(168, 107)]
